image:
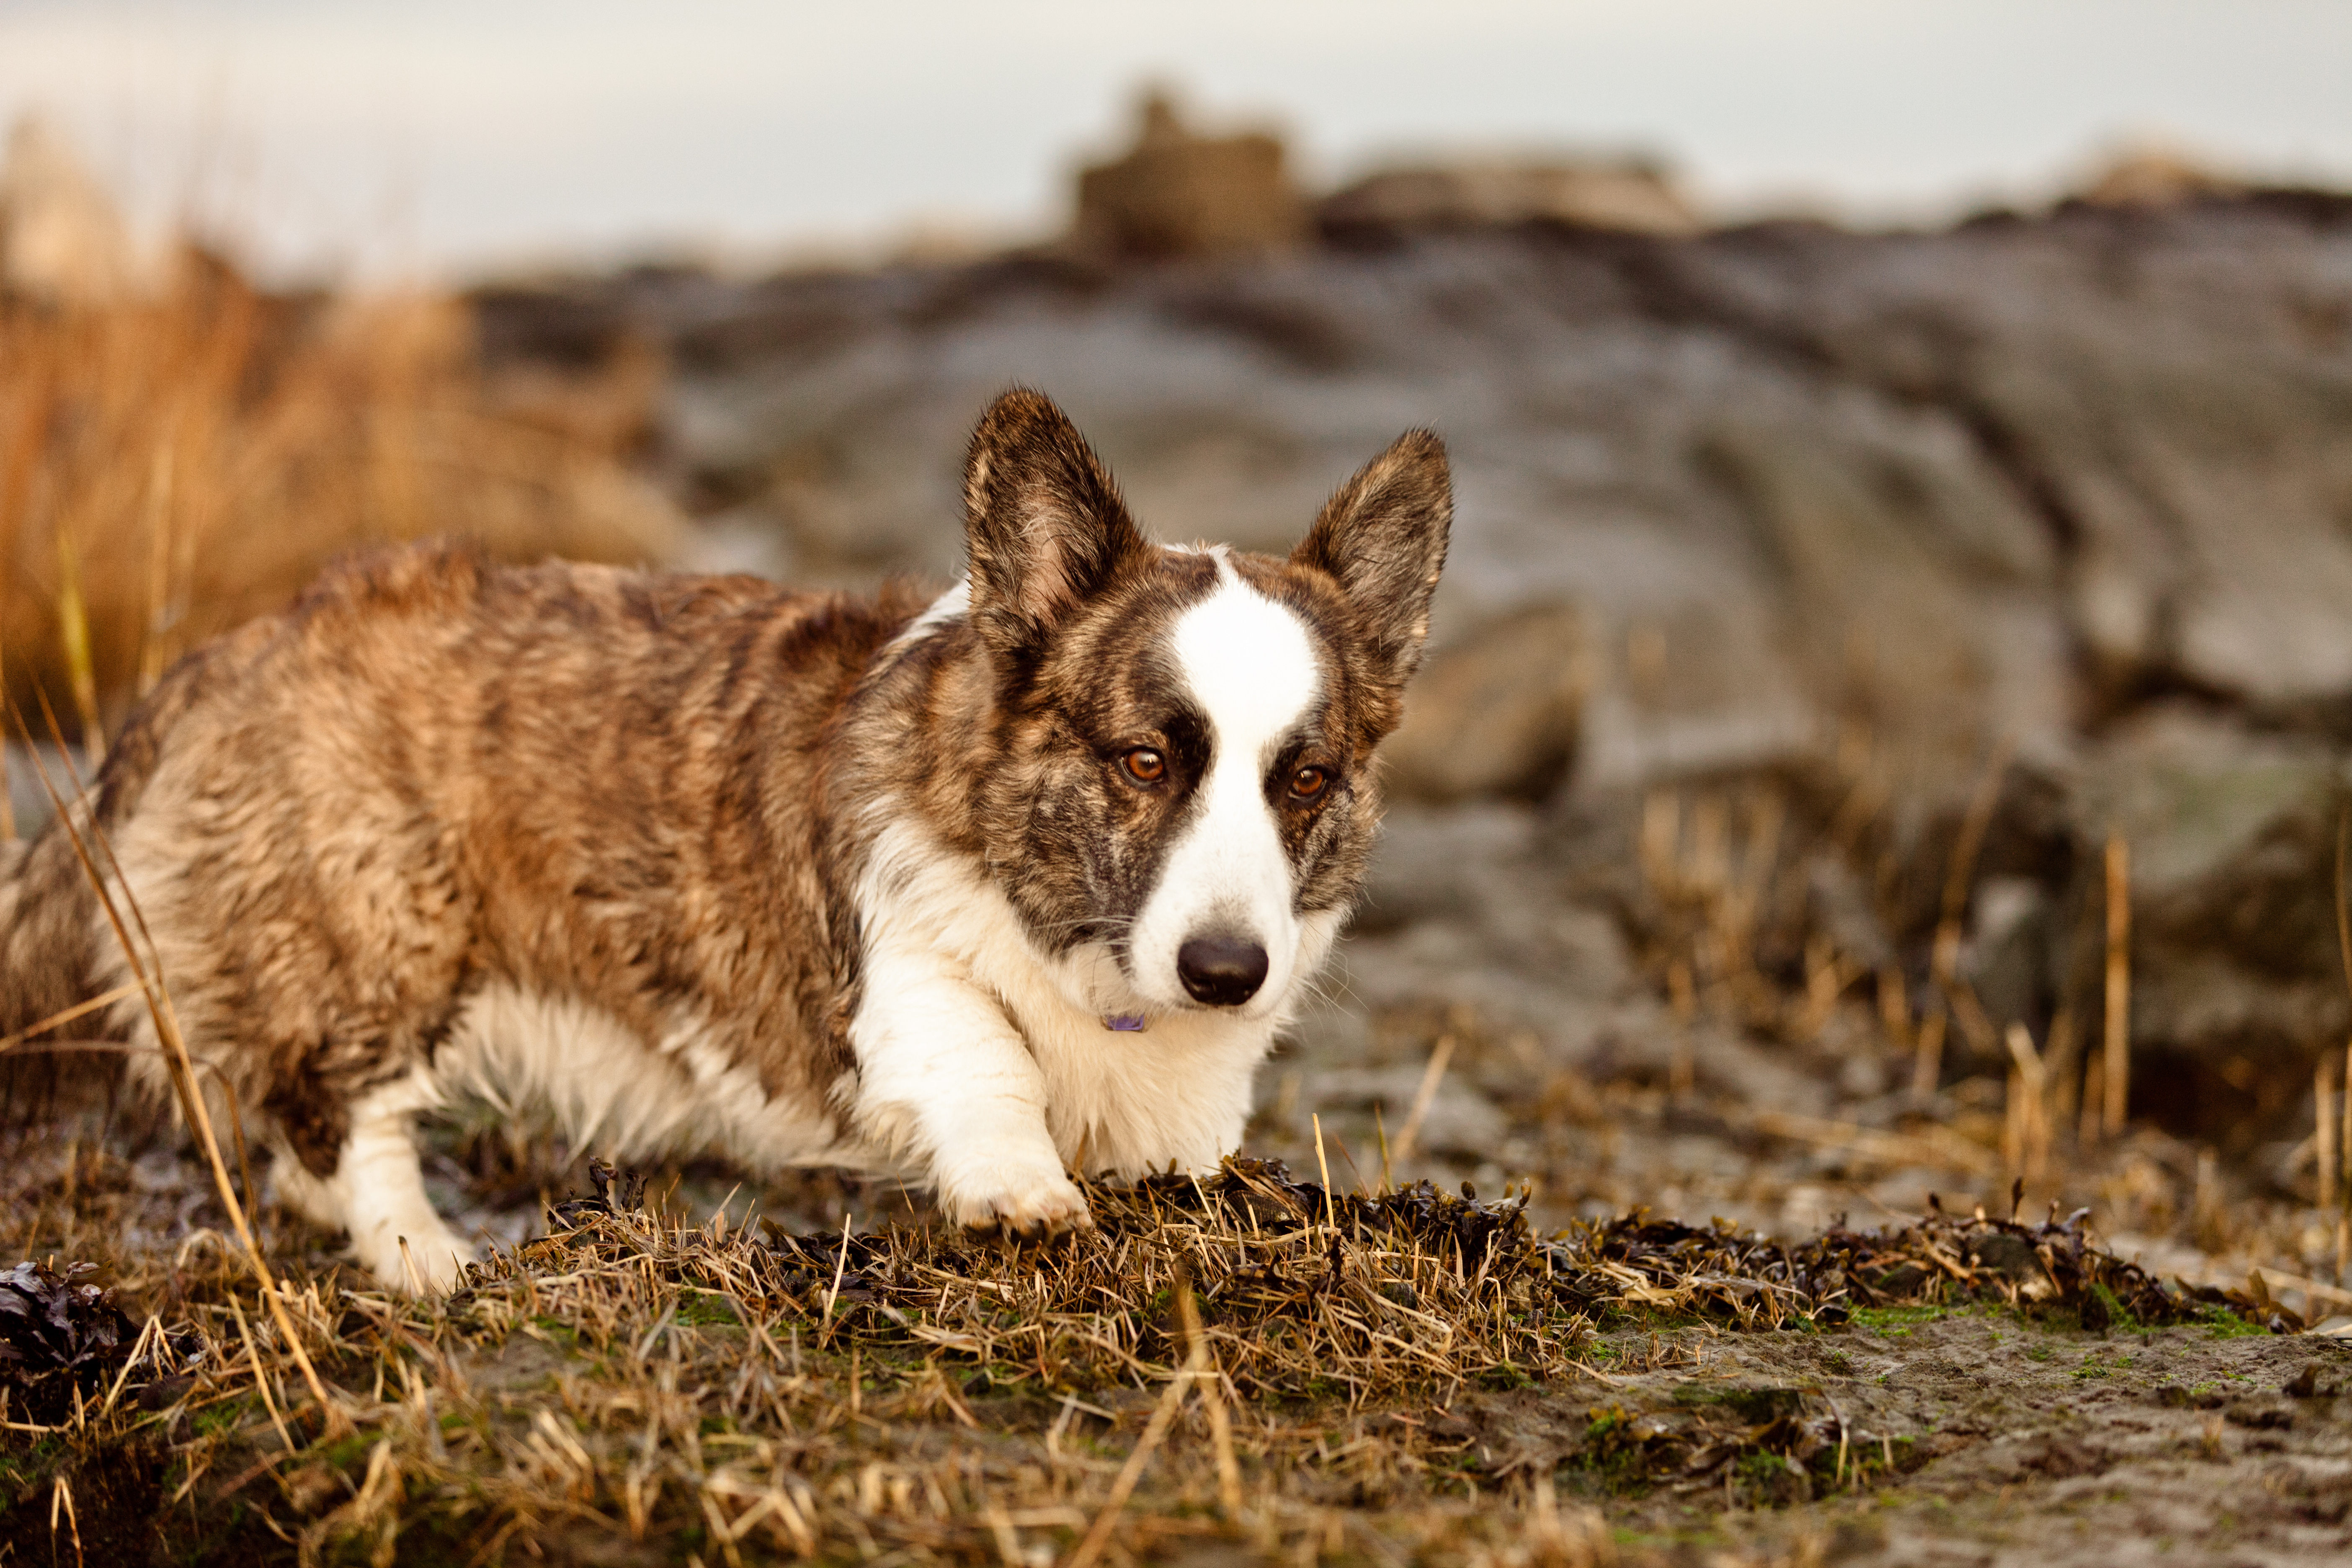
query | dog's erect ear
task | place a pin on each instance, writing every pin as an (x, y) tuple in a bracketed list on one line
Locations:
[(1382, 534), (1044, 524)]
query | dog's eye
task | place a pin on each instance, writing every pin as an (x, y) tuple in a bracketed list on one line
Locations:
[(1145, 765), (1309, 783)]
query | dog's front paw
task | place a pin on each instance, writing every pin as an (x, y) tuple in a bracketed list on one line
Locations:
[(429, 1263), (1019, 1203)]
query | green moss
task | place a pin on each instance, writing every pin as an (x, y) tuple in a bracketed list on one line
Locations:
[(347, 1453), (2221, 1324), (1613, 1454), (221, 1418), (557, 1329), (1897, 1322), (1753, 1406), (702, 1309), (2118, 1316), (34, 1465)]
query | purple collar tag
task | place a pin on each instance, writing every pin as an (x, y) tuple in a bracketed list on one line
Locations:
[(1125, 1023)]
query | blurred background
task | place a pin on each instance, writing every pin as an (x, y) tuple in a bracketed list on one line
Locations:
[(1888, 720)]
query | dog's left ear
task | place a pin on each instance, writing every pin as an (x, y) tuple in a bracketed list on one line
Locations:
[(1382, 535), (1043, 523)]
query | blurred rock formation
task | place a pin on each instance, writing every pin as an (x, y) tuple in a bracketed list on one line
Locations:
[(2157, 177), (1630, 194), (62, 239), (1175, 193)]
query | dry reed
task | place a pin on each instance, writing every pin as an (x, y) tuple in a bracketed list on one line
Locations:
[(171, 467)]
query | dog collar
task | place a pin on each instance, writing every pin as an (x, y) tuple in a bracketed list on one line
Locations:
[(1125, 1023)]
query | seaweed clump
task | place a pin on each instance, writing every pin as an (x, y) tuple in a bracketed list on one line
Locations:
[(1637, 1262)]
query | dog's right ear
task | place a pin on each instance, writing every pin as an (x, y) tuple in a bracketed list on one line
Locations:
[(1043, 523)]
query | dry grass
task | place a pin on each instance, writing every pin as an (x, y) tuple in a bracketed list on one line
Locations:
[(1243, 1362), (171, 467), (1729, 907)]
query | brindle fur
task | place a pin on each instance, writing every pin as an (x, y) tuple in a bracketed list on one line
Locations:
[(656, 793)]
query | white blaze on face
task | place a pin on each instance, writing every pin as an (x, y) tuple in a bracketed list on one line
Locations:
[(1251, 670)]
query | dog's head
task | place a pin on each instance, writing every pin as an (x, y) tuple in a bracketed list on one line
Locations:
[(1184, 775)]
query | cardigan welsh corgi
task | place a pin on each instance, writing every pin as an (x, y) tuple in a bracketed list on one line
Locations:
[(978, 891)]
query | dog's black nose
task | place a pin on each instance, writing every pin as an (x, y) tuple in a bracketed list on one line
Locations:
[(1223, 970)]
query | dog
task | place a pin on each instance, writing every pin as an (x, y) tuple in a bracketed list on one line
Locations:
[(977, 891)]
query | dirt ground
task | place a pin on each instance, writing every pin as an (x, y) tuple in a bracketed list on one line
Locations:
[(1985, 1437), (1965, 1432)]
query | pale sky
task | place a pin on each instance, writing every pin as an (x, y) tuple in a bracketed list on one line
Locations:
[(433, 135)]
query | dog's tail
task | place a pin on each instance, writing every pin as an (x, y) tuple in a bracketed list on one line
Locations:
[(52, 934), (49, 924)]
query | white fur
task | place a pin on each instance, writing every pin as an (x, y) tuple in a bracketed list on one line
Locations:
[(951, 606), (599, 1083), (377, 1192), (986, 1061), (1253, 671), (604, 1086)]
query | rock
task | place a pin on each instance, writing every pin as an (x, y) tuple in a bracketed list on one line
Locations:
[(2236, 970), (1840, 907), (1468, 916), (62, 239), (1629, 194), (2155, 177), (2010, 1255), (2180, 438), (2010, 954), (1494, 713), (1178, 193), (1919, 591)]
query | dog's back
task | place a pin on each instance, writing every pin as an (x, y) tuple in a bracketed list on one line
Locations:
[(430, 776)]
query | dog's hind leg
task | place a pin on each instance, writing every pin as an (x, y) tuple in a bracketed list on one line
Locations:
[(377, 1194)]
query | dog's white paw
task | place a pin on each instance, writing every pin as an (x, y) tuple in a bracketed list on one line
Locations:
[(429, 1263), (1017, 1201)]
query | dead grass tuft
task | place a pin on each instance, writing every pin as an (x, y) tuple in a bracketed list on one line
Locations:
[(170, 468)]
